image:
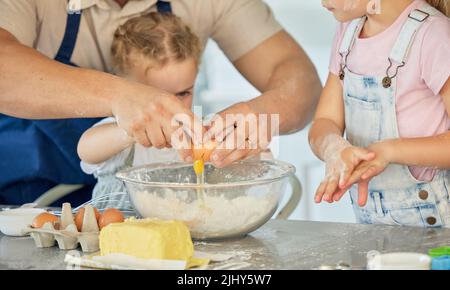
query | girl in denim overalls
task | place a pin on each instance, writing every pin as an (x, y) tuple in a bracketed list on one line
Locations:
[(389, 91)]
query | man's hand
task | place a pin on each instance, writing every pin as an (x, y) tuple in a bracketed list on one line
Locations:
[(146, 114), (290, 86), (239, 133)]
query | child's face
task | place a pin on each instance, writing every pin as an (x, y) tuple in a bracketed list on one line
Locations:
[(177, 78), (346, 10)]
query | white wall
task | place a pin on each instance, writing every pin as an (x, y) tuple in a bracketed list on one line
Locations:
[(220, 85)]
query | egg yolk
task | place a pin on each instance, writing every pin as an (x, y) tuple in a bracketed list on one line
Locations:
[(202, 154), (199, 166)]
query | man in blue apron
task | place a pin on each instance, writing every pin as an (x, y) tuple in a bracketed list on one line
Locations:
[(42, 101), (47, 156)]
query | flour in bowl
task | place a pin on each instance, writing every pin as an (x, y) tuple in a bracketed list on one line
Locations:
[(212, 215)]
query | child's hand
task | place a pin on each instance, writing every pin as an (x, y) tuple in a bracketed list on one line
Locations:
[(368, 169), (340, 166)]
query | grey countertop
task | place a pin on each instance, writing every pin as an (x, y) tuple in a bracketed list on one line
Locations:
[(277, 245)]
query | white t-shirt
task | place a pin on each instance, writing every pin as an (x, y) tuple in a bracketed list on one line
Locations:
[(142, 156)]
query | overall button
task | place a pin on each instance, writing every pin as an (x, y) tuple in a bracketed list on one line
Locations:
[(431, 221), (423, 194)]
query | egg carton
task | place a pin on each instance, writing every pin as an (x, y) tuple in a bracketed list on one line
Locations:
[(66, 234)]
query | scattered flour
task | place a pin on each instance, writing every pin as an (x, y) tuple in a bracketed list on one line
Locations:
[(210, 216)]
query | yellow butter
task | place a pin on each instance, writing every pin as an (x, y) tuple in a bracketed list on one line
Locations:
[(148, 239)]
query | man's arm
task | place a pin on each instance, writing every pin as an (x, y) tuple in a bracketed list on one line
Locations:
[(35, 87), (290, 87), (287, 78)]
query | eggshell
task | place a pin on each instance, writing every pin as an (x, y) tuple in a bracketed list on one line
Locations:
[(80, 215), (204, 151), (109, 216), (44, 218)]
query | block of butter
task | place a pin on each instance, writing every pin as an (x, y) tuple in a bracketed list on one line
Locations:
[(148, 239)]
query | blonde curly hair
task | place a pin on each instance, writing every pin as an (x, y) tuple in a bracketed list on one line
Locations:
[(156, 36), (441, 5)]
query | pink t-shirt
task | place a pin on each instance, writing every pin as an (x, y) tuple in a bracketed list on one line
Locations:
[(421, 111)]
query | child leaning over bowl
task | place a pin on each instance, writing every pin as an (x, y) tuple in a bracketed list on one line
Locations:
[(389, 90), (158, 50)]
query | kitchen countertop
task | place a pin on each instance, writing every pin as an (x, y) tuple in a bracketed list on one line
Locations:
[(277, 245)]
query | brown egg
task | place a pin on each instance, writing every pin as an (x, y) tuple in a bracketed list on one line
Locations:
[(44, 218), (80, 215), (109, 216)]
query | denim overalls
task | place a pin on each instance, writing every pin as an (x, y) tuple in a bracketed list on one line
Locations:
[(395, 196)]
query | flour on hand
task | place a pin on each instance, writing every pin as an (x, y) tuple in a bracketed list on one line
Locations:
[(331, 148)]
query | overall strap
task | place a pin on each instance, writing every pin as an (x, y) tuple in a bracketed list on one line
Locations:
[(402, 46), (406, 38), (69, 41), (351, 34), (164, 7)]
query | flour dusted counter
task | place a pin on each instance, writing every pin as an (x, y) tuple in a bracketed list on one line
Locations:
[(277, 245)]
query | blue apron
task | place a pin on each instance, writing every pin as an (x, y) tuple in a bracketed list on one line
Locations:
[(37, 155)]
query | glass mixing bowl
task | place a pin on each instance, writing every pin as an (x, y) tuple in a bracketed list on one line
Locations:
[(233, 202)]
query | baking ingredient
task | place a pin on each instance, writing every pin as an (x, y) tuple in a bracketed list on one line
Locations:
[(80, 215), (44, 218), (204, 151), (109, 216), (213, 214), (65, 233), (199, 167), (202, 154), (147, 239)]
